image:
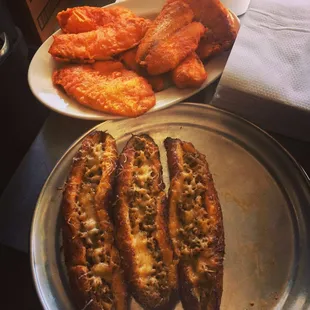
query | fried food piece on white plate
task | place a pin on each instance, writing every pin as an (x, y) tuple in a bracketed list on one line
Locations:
[(168, 53), (220, 31), (158, 82), (189, 73), (172, 17), (88, 18), (108, 87), (100, 44)]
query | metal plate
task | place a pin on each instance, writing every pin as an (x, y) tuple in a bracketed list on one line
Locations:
[(265, 200)]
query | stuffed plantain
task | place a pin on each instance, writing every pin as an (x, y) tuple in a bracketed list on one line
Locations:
[(142, 235), (195, 226), (92, 260)]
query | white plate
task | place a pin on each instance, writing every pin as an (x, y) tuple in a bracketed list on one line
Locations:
[(42, 66)]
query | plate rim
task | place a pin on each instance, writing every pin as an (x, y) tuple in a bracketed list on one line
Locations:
[(302, 174), (100, 116)]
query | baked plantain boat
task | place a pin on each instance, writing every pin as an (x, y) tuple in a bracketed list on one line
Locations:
[(141, 234), (92, 260), (195, 226)]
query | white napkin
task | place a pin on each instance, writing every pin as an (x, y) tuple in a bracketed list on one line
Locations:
[(267, 77)]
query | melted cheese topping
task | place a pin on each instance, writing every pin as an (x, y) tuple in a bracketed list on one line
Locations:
[(144, 197), (193, 218), (99, 161), (144, 258)]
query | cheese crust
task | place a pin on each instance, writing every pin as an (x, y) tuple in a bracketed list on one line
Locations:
[(142, 237), (92, 260), (195, 226)]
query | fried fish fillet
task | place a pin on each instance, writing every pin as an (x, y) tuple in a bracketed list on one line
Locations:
[(92, 260), (100, 44), (87, 18), (129, 60), (190, 72), (195, 226), (211, 44), (172, 17), (107, 87), (212, 14), (141, 227), (168, 53), (220, 31), (158, 82)]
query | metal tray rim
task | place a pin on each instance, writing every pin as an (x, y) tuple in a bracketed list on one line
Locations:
[(299, 168)]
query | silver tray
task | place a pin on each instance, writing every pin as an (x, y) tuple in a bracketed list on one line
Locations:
[(265, 199)]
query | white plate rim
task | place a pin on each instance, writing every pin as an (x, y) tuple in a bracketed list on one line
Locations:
[(164, 99)]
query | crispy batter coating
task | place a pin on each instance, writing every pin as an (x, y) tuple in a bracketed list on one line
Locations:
[(220, 33), (100, 44), (129, 60), (88, 18), (213, 14), (212, 44), (168, 53), (190, 72), (172, 17), (107, 87), (158, 82)]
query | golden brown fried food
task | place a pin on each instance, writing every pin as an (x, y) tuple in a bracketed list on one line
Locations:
[(107, 87), (87, 18), (212, 14), (168, 53), (211, 44), (141, 226), (92, 260), (195, 226), (172, 17), (100, 44), (129, 60), (158, 83), (220, 32), (190, 72)]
